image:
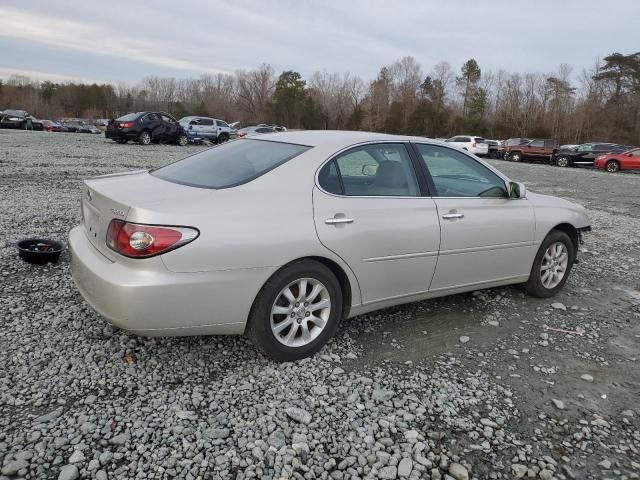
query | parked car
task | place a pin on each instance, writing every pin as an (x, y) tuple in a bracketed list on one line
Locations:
[(613, 162), (538, 149), (212, 129), (145, 128), (51, 126), (372, 221), (71, 126), (585, 154), (19, 119), (87, 128), (494, 148), (470, 143), (253, 131), (277, 128)]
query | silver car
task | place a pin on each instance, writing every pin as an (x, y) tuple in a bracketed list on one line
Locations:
[(282, 236)]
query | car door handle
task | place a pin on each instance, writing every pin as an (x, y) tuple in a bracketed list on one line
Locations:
[(338, 220), (452, 216)]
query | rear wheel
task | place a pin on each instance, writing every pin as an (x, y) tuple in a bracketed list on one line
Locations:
[(182, 140), (562, 162), (551, 266), (296, 312), (144, 138), (612, 166), (515, 157)]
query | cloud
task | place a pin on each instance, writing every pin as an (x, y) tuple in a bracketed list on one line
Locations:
[(40, 76), (88, 37), (130, 40)]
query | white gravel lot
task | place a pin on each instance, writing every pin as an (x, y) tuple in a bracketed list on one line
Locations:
[(398, 394)]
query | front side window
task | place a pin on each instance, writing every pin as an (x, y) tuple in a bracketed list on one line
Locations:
[(168, 119), (537, 143), (222, 124), (635, 153), (206, 121), (383, 169), (585, 148), (229, 164), (455, 174)]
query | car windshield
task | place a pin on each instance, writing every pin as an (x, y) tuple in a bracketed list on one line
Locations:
[(128, 117), (230, 164)]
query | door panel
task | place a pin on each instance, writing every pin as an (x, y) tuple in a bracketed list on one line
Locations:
[(485, 237), (391, 243), (493, 240)]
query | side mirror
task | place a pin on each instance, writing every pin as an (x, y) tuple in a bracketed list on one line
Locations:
[(369, 170), (516, 190), (629, 154)]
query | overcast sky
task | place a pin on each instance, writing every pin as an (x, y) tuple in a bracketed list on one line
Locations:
[(114, 40)]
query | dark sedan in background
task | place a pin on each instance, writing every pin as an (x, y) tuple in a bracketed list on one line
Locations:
[(19, 119), (146, 128)]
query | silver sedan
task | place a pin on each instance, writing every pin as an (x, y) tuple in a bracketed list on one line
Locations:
[(282, 236)]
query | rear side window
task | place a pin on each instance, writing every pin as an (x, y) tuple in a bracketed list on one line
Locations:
[(230, 164), (206, 121), (128, 117), (537, 143)]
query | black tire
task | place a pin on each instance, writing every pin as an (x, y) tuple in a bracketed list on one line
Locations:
[(515, 157), (223, 138), (534, 286), (259, 322), (183, 140), (144, 138), (612, 166), (563, 162), (122, 141)]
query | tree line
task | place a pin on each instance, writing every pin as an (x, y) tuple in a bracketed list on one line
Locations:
[(598, 104)]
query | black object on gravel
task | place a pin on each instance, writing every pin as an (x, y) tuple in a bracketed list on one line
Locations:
[(39, 251)]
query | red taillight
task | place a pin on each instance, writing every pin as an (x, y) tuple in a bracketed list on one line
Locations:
[(126, 125), (143, 241)]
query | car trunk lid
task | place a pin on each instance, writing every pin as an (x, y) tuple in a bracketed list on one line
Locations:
[(124, 195)]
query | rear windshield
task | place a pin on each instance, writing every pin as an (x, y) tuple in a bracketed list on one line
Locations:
[(229, 164), (128, 117)]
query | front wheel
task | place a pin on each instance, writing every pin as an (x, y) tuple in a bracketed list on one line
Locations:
[(296, 312), (612, 166), (562, 162), (551, 266), (183, 140), (515, 157)]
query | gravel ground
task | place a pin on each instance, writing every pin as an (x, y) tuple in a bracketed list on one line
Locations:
[(485, 385)]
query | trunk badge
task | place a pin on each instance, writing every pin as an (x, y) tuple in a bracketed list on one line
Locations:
[(119, 213)]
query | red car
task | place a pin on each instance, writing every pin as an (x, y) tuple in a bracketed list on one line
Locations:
[(51, 126), (612, 162)]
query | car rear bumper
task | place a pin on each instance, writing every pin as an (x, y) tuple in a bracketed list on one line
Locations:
[(158, 302)]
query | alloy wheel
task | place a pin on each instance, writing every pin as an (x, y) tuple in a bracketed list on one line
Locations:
[(300, 312), (562, 162), (182, 140), (554, 265), (145, 138), (612, 167)]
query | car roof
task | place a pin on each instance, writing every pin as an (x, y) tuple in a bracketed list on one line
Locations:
[(314, 138)]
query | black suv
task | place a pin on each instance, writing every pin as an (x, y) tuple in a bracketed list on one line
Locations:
[(584, 154), (145, 128)]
